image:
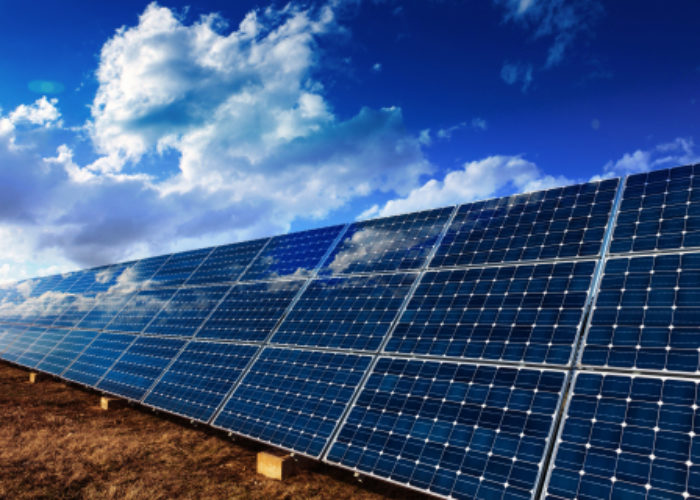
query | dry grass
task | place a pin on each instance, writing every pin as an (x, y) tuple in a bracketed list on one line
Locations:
[(55, 442)]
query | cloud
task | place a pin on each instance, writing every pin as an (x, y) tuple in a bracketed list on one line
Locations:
[(514, 73), (680, 151), (377, 67), (479, 124), (42, 112), (562, 21), (446, 133), (491, 176)]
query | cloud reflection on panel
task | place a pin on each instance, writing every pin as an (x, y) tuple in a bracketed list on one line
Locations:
[(394, 243)]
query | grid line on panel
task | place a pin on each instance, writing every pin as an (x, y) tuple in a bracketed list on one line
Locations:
[(266, 342), (211, 270), (49, 339), (53, 363), (91, 365)]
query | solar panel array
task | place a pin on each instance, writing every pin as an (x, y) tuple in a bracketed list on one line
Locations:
[(542, 343)]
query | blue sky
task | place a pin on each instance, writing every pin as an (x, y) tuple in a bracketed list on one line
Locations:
[(130, 129)]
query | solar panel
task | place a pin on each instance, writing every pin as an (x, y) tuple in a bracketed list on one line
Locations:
[(660, 210), (197, 382), (140, 366), (292, 255), (454, 429), (179, 267), (293, 398), (140, 271), (395, 243), (186, 311), (557, 223), (104, 309), (628, 437), (21, 343), (526, 313), (12, 332), (41, 347), (345, 313), (250, 311), (226, 262), (68, 349), (95, 360), (140, 310), (646, 316)]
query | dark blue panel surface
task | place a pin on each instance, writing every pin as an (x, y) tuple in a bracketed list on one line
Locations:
[(347, 313), (66, 351), (179, 267), (94, 362), (105, 307), (395, 243), (140, 366), (186, 311), (515, 313), (646, 314), (227, 262), (41, 347), (140, 310), (557, 223), (196, 383), (10, 333), (293, 254), (250, 311), (458, 430), (628, 437), (660, 210), (21, 343), (293, 398)]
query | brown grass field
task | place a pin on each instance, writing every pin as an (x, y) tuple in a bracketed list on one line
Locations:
[(55, 442)]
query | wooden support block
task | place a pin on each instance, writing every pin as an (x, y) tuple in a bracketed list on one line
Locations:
[(35, 377), (111, 403), (276, 467)]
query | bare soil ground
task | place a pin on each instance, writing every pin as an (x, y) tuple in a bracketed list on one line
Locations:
[(55, 442)]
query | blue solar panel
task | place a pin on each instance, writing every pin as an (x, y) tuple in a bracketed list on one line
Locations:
[(557, 223), (628, 437), (395, 243), (11, 333), (96, 359), (293, 398), (140, 366), (104, 309), (226, 262), (186, 311), (197, 382), (458, 430), (250, 311), (140, 310), (180, 267), (66, 351), (516, 313), (660, 210), (294, 254), (21, 343), (347, 313), (646, 314), (41, 347), (143, 270)]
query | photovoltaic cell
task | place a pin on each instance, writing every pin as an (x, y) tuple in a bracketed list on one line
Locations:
[(140, 309), (557, 223), (41, 347), (11, 333), (21, 343), (646, 314), (395, 243), (293, 398), (660, 210), (142, 270), (104, 309), (347, 313), (226, 262), (186, 311), (250, 311), (196, 383), (628, 437), (458, 430), (96, 359), (526, 313), (140, 366), (66, 351), (179, 267), (294, 254)]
